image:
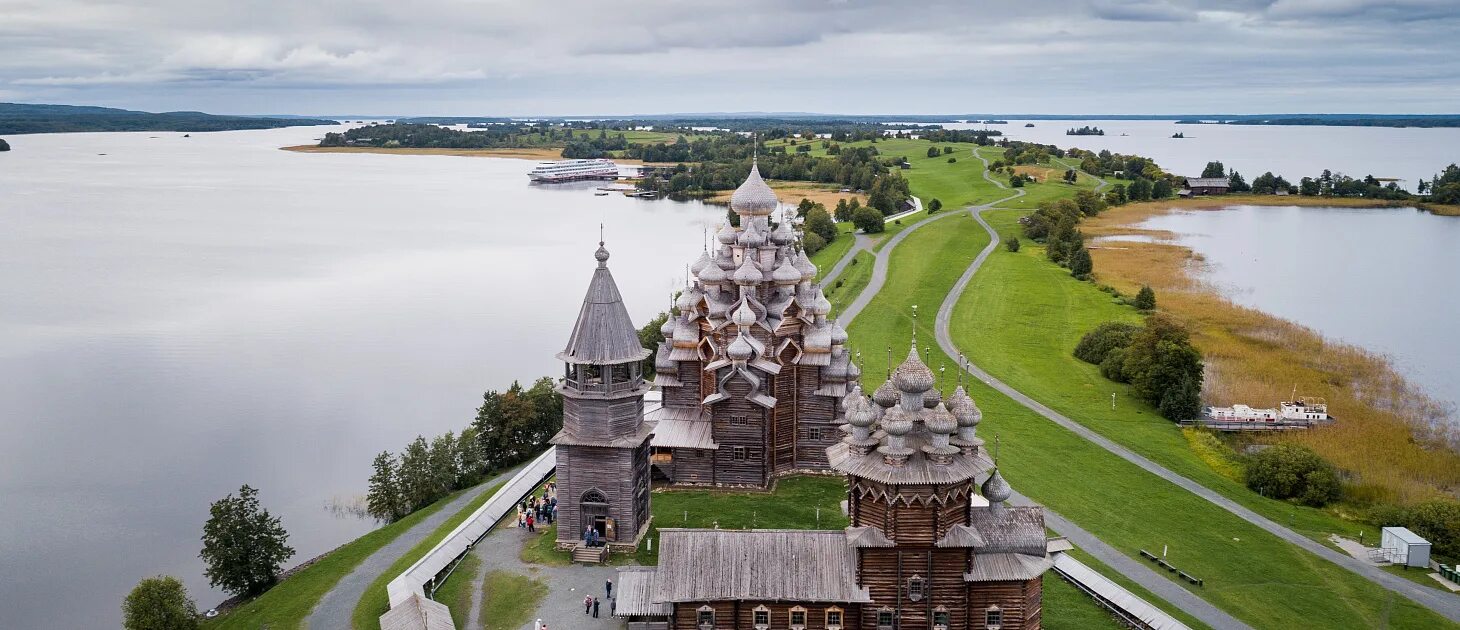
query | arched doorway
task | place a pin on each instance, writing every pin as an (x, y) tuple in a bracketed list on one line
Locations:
[(593, 509)]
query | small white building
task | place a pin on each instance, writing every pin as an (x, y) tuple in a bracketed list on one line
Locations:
[(1405, 547)]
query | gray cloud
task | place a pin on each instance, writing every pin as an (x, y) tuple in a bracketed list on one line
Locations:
[(854, 56)]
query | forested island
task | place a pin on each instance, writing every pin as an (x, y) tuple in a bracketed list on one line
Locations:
[(18, 118), (1086, 130)]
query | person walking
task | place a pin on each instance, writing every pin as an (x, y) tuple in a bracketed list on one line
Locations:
[(587, 604), (595, 608), (608, 589)]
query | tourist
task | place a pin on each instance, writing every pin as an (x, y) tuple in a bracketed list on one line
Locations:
[(529, 524), (587, 604), (588, 536), (608, 588), (595, 608)]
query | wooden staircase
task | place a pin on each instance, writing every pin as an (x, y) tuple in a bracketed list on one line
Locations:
[(583, 554)]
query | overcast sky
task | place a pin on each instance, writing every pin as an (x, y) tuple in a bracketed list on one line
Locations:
[(565, 57)]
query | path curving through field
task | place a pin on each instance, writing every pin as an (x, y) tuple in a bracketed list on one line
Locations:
[(1444, 604)]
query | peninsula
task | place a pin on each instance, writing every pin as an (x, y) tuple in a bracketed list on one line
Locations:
[(18, 118)]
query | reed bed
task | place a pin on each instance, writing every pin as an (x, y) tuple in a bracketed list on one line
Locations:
[(1393, 442)]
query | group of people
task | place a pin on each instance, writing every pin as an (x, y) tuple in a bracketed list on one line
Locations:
[(590, 603), (536, 509), (592, 538)]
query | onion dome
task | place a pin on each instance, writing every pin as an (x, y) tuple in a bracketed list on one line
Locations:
[(885, 395), (822, 305), (667, 328), (940, 421), (838, 334), (995, 489), (689, 299), (932, 398), (852, 396), (860, 413), (783, 234), (726, 235), (818, 339), (912, 376), (662, 362), (684, 333), (754, 196), (700, 263), (751, 237), (965, 410), (853, 371), (747, 274), (726, 260), (602, 254), (897, 422), (808, 270), (744, 316), (786, 273), (740, 349)]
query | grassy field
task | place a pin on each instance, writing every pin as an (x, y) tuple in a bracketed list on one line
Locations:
[(1254, 357), (1274, 584), (827, 257), (509, 599), (289, 602), (374, 602), (850, 284), (456, 593)]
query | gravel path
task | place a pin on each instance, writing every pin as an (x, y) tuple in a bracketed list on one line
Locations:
[(562, 608), (864, 242), (1444, 604), (334, 609)]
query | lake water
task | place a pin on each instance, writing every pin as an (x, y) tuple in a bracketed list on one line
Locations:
[(182, 316), (1377, 278), (1293, 152)]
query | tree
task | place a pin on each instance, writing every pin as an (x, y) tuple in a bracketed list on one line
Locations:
[(952, 160), (805, 206), (1080, 263), (1214, 169), (1071, 176), (1235, 183), (442, 458), (933, 152), (934, 205), (1293, 471), (469, 462), (869, 220), (947, 150), (417, 484), (1159, 358), (813, 243), (843, 212), (1161, 189), (819, 222), (1011, 243), (159, 603), (649, 337), (1145, 299), (1097, 344), (1140, 190), (383, 499), (1089, 202), (1016, 180), (1308, 187), (243, 545)]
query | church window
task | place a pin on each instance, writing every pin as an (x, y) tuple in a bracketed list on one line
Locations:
[(940, 618), (706, 618), (915, 587), (739, 421), (884, 619), (993, 618), (761, 617), (740, 453), (814, 433)]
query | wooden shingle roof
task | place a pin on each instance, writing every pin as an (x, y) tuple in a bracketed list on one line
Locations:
[(604, 333), (1010, 529), (635, 594), (759, 564), (418, 613)]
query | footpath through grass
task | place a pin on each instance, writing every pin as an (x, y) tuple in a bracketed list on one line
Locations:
[(456, 591), (290, 602), (826, 258), (375, 601), (1249, 573)]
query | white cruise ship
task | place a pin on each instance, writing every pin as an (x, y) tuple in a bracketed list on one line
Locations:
[(573, 170)]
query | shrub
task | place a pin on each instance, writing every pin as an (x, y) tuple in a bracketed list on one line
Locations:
[(813, 242), (1097, 344), (868, 219), (1145, 299), (1293, 471), (820, 223), (935, 205), (1080, 264), (1164, 368), (1113, 367), (952, 160), (1437, 520), (159, 603), (1011, 243)]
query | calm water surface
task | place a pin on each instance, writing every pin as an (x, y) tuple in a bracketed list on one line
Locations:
[(181, 316), (1293, 152), (1382, 279)]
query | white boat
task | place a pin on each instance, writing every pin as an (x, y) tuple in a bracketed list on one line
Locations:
[(574, 170), (1299, 413)]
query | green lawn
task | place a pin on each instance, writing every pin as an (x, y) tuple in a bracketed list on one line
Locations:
[(544, 550), (1252, 575), (455, 592), (827, 257), (850, 284), (288, 603), (509, 599), (375, 602), (1067, 608)]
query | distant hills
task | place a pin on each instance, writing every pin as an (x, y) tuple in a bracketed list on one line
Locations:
[(20, 118)]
